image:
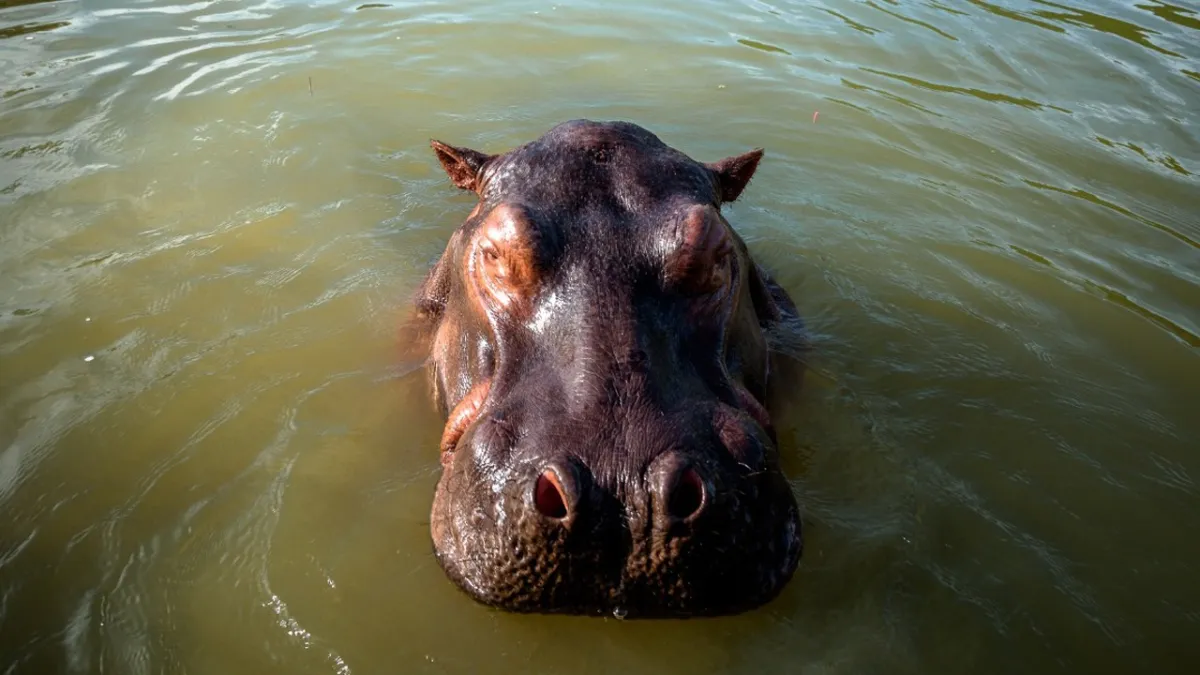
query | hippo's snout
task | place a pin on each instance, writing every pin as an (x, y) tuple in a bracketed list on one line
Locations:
[(693, 530)]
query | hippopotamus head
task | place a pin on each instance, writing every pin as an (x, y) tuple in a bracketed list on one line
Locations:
[(598, 344)]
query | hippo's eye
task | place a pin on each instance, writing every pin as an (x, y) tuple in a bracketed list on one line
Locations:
[(507, 272), (701, 263)]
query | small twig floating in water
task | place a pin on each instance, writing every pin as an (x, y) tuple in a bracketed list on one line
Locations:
[(310, 89)]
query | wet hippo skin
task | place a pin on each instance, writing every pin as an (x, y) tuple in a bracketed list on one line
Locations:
[(600, 342)]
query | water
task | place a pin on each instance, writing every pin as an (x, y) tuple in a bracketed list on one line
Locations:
[(214, 457)]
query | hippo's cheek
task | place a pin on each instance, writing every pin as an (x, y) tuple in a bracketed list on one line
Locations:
[(462, 417)]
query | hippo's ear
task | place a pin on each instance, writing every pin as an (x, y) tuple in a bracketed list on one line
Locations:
[(734, 173), (461, 164)]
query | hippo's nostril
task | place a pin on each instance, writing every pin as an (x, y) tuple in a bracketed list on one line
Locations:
[(548, 496), (687, 496), (678, 489)]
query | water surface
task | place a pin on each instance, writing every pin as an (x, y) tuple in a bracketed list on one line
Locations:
[(213, 458)]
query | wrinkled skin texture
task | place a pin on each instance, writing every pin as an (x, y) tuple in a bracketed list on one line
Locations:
[(599, 341)]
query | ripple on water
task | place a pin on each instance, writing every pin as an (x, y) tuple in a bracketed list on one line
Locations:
[(29, 28)]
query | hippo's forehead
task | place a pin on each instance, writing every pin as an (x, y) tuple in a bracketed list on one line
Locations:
[(609, 167)]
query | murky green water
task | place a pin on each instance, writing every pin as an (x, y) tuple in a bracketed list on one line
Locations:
[(213, 459)]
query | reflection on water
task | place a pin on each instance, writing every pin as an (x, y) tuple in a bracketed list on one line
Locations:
[(214, 455)]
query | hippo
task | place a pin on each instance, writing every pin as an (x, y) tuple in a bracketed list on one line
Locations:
[(600, 345)]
